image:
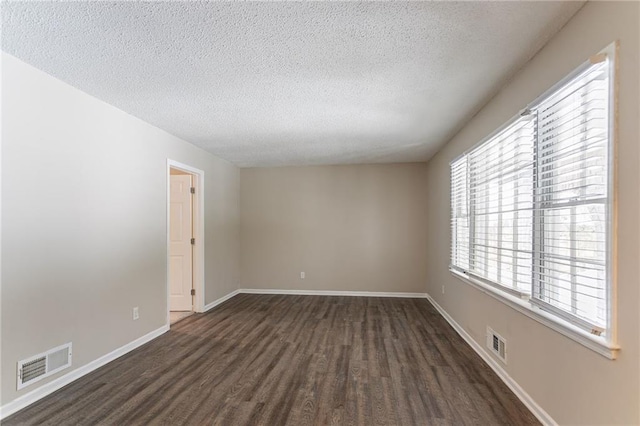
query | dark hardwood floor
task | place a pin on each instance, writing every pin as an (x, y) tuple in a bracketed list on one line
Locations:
[(296, 360)]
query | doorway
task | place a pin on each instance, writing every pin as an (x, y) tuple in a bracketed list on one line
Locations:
[(185, 242)]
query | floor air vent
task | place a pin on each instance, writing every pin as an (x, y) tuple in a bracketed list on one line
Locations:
[(43, 365), (497, 344)]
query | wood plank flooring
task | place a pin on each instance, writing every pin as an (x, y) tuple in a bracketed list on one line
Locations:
[(295, 360)]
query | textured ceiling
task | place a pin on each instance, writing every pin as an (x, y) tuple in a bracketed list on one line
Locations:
[(263, 84)]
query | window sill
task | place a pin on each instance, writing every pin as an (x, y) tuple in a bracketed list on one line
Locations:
[(595, 343)]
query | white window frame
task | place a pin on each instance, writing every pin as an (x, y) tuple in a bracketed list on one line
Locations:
[(606, 344)]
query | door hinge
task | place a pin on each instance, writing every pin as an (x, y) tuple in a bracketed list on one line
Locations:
[(193, 291), (193, 241), (193, 190)]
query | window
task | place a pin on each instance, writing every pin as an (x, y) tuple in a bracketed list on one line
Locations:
[(531, 205), (571, 199), (493, 186)]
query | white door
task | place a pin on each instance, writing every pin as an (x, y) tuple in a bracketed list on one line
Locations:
[(180, 250)]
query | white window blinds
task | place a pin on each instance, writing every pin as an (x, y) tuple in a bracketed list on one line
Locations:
[(460, 214), (499, 198), (530, 205), (571, 198), (501, 172)]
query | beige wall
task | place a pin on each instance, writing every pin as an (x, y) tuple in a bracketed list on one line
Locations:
[(572, 383), (355, 227), (84, 222)]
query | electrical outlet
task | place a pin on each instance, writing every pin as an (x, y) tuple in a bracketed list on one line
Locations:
[(442, 289), (136, 313), (302, 275)]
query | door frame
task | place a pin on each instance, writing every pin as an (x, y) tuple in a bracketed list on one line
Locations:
[(198, 227)]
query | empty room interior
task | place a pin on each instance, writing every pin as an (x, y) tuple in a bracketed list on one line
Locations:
[(291, 213)]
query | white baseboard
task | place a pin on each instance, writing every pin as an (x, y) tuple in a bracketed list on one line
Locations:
[(48, 388), (219, 301), (526, 399), (333, 293)]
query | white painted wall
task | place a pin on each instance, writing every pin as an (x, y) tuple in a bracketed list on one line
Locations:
[(575, 385), (84, 222)]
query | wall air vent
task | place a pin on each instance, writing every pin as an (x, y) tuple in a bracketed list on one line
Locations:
[(497, 344), (37, 367)]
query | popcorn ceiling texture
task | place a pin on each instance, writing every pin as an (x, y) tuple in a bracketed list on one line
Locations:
[(269, 84)]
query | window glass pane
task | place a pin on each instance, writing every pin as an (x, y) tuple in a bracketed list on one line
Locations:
[(572, 197), (501, 203), (459, 214)]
